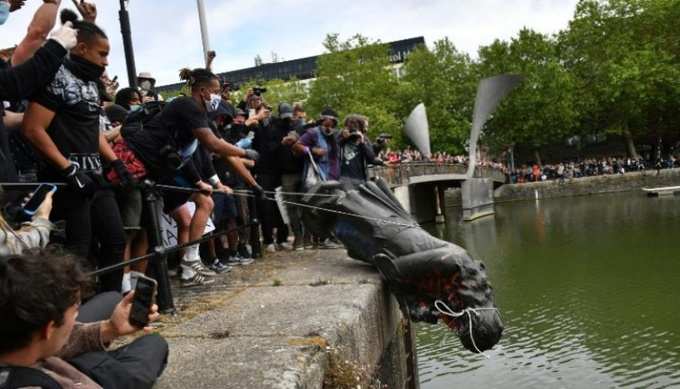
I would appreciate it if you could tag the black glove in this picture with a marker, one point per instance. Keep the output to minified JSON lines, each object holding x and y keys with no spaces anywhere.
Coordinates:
{"x":126,"y":178}
{"x":79,"y":180}
{"x":252,"y":154}
{"x":258,"y":192}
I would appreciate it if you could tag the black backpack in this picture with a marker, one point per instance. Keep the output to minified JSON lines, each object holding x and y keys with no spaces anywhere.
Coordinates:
{"x":15,"y":377}
{"x":136,"y":120}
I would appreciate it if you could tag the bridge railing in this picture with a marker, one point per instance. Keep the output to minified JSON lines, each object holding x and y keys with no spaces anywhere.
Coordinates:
{"x":399,"y":175}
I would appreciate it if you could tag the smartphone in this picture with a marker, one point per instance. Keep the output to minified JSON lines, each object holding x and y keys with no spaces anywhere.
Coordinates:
{"x":115,"y":79}
{"x":37,"y":198}
{"x":251,"y":113}
{"x":145,"y":291}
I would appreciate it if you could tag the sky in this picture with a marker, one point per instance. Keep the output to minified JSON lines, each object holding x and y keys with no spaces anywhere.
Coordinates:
{"x":166,"y":33}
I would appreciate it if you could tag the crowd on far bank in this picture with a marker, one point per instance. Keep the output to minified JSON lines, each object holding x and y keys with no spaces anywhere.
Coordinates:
{"x":533,"y":172}
{"x":586,"y":168}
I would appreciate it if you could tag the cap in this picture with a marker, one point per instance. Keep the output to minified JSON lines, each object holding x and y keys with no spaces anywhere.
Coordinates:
{"x":285,"y":111}
{"x":146,"y":75}
{"x":329,"y":113}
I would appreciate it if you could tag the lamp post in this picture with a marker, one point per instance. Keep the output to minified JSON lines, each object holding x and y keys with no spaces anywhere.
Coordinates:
{"x":204,"y":30}
{"x":127,"y":43}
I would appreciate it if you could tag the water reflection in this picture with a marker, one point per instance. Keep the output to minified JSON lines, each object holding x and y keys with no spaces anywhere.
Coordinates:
{"x":588,"y":289}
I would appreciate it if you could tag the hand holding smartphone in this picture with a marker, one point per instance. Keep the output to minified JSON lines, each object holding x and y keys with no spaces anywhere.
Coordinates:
{"x":37,"y":197}
{"x":145,"y":290}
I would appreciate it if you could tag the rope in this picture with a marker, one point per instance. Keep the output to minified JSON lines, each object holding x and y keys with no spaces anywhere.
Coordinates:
{"x":375,"y":219}
{"x":446,"y":310}
{"x":159,"y":250}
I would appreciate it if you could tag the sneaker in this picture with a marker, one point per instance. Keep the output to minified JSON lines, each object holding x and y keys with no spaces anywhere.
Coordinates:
{"x":328,"y":244}
{"x":238,"y":260}
{"x":286,"y":246}
{"x":199,"y":267}
{"x":297,"y":244}
{"x":270,"y":248}
{"x":197,"y":280}
{"x":243,"y":251}
{"x":218,"y":267}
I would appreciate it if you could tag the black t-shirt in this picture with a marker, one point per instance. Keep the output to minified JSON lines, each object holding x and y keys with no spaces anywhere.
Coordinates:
{"x":352,"y":161}
{"x":75,"y":127}
{"x":172,"y":127}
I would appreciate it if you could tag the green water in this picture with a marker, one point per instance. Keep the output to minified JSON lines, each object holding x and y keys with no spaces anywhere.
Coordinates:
{"x":589,"y":289}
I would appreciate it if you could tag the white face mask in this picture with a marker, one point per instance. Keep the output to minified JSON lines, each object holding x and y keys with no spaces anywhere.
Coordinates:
{"x":213,"y":103}
{"x":145,"y":85}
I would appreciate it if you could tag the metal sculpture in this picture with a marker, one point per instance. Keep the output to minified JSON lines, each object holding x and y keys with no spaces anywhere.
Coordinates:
{"x":431,"y":278}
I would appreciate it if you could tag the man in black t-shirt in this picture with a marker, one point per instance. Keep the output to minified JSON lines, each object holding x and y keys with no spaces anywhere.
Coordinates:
{"x":62,"y":123}
{"x":356,"y":152}
{"x":166,"y":145}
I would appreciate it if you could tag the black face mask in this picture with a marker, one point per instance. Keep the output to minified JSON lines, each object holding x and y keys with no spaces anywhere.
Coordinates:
{"x":84,"y":69}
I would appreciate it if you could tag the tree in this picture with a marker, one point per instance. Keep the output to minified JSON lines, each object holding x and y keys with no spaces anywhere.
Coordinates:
{"x":278,"y":91}
{"x":445,"y":81}
{"x":542,"y":110}
{"x":624,"y":57}
{"x":354,"y":76}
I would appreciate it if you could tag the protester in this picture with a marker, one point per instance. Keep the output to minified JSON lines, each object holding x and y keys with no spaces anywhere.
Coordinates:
{"x":292,"y":167}
{"x":319,"y":148}
{"x":147,"y":87}
{"x":24,"y":80}
{"x":356,"y":151}
{"x":267,"y":141}
{"x":42,"y":345}
{"x":166,"y":144}
{"x":63,"y":124}
{"x":129,"y":98}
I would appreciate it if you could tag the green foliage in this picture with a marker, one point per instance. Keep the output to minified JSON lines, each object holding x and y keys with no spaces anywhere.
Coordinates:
{"x":542,"y":110}
{"x":615,"y":68}
{"x":624,"y":56}
{"x":278,"y":91}
{"x":354,"y":76}
{"x":445,"y":80}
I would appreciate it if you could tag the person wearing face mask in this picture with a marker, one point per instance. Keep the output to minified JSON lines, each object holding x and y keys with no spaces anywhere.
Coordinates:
{"x":147,"y":86}
{"x":62,"y":123}
{"x":129,"y":98}
{"x":322,"y":144}
{"x":24,"y":80}
{"x":166,"y":145}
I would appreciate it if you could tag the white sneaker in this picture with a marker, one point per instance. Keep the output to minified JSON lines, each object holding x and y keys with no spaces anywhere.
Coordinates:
{"x":198,"y":267}
{"x":286,"y":246}
{"x":197,"y":280}
{"x":271,"y":248}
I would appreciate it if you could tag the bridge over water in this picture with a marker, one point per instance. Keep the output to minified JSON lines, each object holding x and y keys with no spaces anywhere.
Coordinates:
{"x":420,"y":187}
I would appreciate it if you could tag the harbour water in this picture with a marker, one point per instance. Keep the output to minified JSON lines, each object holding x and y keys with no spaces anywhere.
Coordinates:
{"x":589,"y":290}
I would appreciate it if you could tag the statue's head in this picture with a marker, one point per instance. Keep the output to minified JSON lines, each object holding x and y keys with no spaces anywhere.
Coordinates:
{"x":451,"y":276}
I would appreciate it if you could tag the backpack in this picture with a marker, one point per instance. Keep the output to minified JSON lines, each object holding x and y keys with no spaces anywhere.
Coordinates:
{"x":137,"y":119}
{"x":16,"y":377}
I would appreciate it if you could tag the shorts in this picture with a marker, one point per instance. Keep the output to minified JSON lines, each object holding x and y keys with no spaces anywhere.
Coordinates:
{"x":175,"y":199}
{"x":225,"y":208}
{"x":131,"y":208}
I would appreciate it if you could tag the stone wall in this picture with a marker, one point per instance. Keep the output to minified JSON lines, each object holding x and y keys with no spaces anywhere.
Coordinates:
{"x":588,"y":185}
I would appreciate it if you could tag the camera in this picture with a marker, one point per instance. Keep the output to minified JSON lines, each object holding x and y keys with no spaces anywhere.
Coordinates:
{"x":258,"y":90}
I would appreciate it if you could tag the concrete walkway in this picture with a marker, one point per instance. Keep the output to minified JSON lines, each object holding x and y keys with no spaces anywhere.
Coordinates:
{"x":290,"y":320}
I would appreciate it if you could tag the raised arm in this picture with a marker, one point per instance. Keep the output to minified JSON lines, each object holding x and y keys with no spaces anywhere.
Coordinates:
{"x":24,"y":80}
{"x":41,"y":25}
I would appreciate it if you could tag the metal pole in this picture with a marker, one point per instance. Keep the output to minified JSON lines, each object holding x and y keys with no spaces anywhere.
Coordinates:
{"x":165,"y":301}
{"x":127,"y":44}
{"x":204,"y":30}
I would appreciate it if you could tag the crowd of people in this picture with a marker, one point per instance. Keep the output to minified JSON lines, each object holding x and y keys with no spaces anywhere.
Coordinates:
{"x":588,"y":167}
{"x":66,"y":122}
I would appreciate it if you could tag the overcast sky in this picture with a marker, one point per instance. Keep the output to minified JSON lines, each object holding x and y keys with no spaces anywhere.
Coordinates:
{"x":166,"y":33}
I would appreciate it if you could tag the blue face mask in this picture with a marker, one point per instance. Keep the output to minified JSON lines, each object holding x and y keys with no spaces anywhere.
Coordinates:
{"x":135,"y":107}
{"x":4,"y":12}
